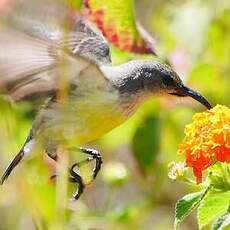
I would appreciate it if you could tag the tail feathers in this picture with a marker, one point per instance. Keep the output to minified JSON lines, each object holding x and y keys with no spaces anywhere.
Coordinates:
{"x":12,"y":165}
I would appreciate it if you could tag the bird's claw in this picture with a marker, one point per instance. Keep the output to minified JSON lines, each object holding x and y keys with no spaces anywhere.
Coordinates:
{"x":76,"y":177}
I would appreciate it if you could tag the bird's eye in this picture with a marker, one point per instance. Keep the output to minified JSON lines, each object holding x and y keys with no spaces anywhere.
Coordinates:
{"x":168,"y":80}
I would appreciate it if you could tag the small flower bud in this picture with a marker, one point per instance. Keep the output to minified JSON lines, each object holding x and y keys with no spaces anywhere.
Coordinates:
{"x":178,"y":170}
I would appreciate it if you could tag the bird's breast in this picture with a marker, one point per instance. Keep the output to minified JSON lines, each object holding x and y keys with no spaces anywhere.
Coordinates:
{"x":84,"y":118}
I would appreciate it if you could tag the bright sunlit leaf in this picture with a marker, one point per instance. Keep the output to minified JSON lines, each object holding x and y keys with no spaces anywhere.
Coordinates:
{"x":212,"y":207}
{"x":117,"y":22}
{"x":187,"y":204}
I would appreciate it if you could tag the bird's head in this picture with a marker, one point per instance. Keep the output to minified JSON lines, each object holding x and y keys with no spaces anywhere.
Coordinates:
{"x":157,"y":78}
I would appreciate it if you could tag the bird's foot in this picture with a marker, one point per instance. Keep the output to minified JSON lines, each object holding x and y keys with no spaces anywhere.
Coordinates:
{"x":95,"y":155}
{"x":76,"y":177}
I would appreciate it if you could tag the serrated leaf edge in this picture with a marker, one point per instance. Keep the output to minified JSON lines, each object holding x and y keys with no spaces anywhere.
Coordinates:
{"x":177,"y":223}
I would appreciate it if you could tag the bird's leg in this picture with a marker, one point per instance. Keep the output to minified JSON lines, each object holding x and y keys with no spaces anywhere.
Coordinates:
{"x":76,"y":177}
{"x":96,"y":155}
{"x":52,"y":156}
{"x":55,"y":158}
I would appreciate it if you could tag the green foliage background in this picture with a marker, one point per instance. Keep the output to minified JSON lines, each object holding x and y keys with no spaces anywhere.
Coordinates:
{"x":194,"y":35}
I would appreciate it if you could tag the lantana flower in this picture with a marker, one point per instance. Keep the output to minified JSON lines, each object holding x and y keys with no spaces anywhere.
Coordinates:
{"x":207,"y":140}
{"x":177,"y":170}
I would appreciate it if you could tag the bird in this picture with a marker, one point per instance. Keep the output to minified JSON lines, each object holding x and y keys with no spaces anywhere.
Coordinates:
{"x":66,"y":65}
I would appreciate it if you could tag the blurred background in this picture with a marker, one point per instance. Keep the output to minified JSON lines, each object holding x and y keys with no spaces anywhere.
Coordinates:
{"x":132,"y":191}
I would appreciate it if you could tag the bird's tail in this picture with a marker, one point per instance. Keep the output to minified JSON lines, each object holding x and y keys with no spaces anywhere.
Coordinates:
{"x":25,"y":150}
{"x":12,"y":165}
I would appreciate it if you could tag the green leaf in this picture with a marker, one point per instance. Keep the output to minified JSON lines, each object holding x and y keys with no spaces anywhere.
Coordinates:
{"x":145,"y":143}
{"x":117,"y":23}
{"x":219,"y":176}
{"x":187,"y":204}
{"x":212,"y":207}
{"x":222,"y":222}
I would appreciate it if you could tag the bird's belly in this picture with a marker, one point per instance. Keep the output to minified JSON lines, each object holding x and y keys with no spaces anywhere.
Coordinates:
{"x":81,"y":124}
{"x":96,"y":126}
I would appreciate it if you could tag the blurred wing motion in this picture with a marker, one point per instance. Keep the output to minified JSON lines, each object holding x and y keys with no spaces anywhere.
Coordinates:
{"x":84,"y":41}
{"x":38,"y":49}
{"x":43,"y":20}
{"x":27,"y":65}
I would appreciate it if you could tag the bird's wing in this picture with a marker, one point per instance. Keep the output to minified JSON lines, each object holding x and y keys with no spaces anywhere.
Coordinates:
{"x":31,"y":68}
{"x":35,"y":44}
{"x":44,"y":21}
{"x":23,"y":59}
{"x":84,"y":41}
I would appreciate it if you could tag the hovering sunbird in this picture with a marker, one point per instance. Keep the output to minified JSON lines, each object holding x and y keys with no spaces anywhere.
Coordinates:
{"x":54,"y":57}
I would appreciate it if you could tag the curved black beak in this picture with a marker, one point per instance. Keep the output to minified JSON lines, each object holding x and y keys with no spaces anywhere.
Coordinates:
{"x":186,"y":91}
